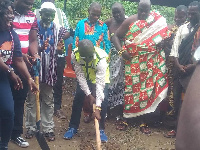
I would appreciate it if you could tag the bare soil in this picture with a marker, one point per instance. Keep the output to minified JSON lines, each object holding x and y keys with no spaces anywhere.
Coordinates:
{"x":131,"y":139}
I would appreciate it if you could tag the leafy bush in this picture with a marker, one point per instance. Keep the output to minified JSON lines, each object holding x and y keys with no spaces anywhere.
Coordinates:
{"x":78,"y":9}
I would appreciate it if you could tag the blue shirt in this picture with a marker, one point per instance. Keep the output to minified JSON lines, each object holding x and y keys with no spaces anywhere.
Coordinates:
{"x":97,"y":33}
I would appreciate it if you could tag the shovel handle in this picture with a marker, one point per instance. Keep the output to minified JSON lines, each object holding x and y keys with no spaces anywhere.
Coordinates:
{"x":96,"y":122}
{"x":37,"y":100}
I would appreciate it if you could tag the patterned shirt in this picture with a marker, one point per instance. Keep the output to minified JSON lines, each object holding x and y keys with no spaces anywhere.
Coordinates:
{"x":22,"y":24}
{"x":48,"y":57}
{"x":97,"y":33}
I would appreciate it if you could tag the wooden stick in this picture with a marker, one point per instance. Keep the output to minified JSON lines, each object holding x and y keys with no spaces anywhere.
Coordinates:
{"x":96,"y":122}
{"x":37,"y":100}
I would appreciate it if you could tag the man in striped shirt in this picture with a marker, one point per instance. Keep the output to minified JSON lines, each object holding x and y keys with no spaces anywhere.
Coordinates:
{"x":25,"y":25}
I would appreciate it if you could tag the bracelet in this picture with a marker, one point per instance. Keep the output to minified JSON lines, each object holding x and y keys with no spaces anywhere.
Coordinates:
{"x":120,"y":52}
{"x":10,"y":69}
{"x":98,"y":108}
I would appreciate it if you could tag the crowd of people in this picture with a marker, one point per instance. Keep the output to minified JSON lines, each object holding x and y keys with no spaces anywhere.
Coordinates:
{"x":134,"y":64}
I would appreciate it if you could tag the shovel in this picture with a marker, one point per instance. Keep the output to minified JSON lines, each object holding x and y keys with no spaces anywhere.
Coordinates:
{"x":39,"y":136}
{"x":96,"y":122}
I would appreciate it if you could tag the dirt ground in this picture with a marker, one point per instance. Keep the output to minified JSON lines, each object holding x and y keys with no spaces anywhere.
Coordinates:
{"x":131,"y":139}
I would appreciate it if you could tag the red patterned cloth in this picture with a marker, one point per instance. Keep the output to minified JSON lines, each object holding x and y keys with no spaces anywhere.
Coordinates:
{"x":146,"y":74}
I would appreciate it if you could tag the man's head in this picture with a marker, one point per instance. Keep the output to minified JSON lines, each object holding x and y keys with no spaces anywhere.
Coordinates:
{"x":118,"y":12}
{"x":47,"y":13}
{"x":86,"y":50}
{"x":6,"y":14}
{"x":22,"y":6}
{"x":94,"y":12}
{"x":194,"y":12}
{"x":144,"y":8}
{"x":180,"y":15}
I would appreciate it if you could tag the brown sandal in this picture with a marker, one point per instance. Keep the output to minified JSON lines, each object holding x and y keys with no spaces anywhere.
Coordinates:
{"x":50,"y":136}
{"x":29,"y":134}
{"x":122,"y":125}
{"x":170,"y":134}
{"x":145,"y":129}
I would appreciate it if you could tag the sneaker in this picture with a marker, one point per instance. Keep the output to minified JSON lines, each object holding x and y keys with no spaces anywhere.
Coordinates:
{"x":103,"y":136}
{"x":21,"y":142}
{"x":70,"y":133}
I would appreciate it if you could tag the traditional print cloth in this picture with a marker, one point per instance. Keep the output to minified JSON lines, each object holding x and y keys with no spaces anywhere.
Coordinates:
{"x":116,"y":86}
{"x":146,"y":74}
{"x":22,"y":24}
{"x":97,"y":33}
{"x":48,"y":57}
{"x":171,"y":76}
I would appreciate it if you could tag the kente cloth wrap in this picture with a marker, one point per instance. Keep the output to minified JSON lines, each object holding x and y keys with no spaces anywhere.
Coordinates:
{"x":146,"y":82}
{"x":116,"y":86}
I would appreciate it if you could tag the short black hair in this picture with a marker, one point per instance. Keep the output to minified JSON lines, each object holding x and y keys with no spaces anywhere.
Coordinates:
{"x":117,"y":4}
{"x":181,"y":8}
{"x":85,"y":44}
{"x":4,"y":4}
{"x":195,"y":3}
{"x":94,"y":5}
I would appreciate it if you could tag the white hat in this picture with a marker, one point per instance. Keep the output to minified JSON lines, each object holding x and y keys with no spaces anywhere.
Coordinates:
{"x":48,"y":5}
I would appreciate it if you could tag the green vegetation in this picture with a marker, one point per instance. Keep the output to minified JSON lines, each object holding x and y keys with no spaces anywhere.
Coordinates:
{"x":78,"y":9}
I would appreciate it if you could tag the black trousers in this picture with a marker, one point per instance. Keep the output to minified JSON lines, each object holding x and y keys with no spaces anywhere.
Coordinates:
{"x":58,"y":86}
{"x":78,"y":105}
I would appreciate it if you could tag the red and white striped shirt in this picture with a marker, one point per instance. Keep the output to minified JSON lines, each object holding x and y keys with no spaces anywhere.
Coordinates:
{"x":22,"y":25}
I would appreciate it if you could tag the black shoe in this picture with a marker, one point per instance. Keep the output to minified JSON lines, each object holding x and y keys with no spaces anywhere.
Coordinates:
{"x":50,"y":136}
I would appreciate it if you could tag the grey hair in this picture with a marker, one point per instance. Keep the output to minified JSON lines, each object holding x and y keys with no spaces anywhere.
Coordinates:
{"x":148,"y":2}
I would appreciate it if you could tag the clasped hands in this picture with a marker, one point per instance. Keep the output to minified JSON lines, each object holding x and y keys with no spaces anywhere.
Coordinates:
{"x":92,"y":101}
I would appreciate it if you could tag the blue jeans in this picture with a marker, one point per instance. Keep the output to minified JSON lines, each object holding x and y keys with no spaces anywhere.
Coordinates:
{"x":19,"y":97}
{"x":6,"y":110}
{"x":78,"y":105}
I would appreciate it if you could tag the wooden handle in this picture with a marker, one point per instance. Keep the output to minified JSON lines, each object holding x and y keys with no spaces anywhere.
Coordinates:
{"x":96,"y":122}
{"x":37,"y":100}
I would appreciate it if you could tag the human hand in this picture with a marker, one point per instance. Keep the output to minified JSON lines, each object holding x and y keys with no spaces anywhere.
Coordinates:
{"x":46,"y":44}
{"x":189,"y":67}
{"x":60,"y":45}
{"x":126,"y":55}
{"x":91,"y":99}
{"x":35,"y":57}
{"x":32,"y":86}
{"x":181,"y":68}
{"x":97,"y":114}
{"x":17,"y":81}
{"x":26,"y":58}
